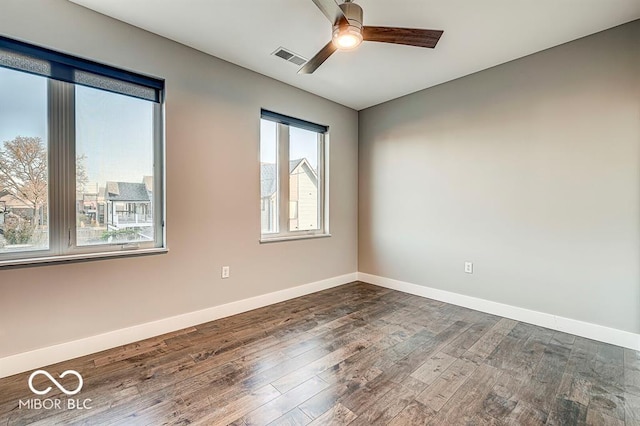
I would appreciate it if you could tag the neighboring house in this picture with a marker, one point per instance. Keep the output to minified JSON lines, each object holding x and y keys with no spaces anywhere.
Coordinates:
{"x":148,"y":183}
{"x":303,"y":196}
{"x":268,"y":201}
{"x":92,"y":204}
{"x":128,"y":205}
{"x":12,"y":204}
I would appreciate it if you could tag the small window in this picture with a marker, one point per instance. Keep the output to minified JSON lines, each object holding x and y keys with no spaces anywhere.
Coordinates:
{"x":81,"y":157}
{"x":292,"y":178}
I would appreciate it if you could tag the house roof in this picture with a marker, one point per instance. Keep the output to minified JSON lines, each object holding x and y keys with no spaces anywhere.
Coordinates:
{"x":11,"y":201}
{"x":127,"y":191}
{"x":295,"y":163}
{"x":268,"y":176}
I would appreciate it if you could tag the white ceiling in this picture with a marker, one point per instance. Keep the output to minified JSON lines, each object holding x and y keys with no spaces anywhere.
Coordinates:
{"x":477,"y":35}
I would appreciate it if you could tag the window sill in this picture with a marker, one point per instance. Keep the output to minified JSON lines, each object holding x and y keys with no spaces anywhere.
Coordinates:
{"x":80,"y":257}
{"x":266,"y":240}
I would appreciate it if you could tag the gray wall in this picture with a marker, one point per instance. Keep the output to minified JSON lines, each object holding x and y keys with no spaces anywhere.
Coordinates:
{"x":213,"y":218}
{"x":530,"y":169}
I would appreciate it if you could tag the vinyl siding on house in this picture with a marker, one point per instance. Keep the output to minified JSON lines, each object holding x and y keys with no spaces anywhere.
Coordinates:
{"x":307,"y":197}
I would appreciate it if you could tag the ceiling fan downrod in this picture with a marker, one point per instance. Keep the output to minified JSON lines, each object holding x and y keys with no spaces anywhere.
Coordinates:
{"x":347,"y":33}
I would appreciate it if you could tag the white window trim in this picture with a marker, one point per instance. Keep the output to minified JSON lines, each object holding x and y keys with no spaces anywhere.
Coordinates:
{"x":282,"y":185}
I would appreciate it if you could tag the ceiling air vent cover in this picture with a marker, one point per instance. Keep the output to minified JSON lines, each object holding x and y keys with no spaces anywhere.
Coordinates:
{"x":289,"y":56}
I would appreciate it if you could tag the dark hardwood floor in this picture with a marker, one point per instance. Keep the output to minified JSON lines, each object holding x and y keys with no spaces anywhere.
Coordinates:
{"x":357,"y":354}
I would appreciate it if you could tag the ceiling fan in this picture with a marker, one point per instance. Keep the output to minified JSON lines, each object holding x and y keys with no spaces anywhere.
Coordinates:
{"x":348,"y":33}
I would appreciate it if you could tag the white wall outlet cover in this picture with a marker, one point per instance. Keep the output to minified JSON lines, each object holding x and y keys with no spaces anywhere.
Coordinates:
{"x":468,"y":267}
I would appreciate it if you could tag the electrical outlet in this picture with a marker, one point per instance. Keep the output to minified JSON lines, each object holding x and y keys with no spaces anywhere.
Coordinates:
{"x":225,"y":272}
{"x":468,"y":267}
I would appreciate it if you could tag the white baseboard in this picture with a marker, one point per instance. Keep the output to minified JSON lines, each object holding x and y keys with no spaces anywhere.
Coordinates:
{"x":554,"y":322}
{"x":26,"y":361}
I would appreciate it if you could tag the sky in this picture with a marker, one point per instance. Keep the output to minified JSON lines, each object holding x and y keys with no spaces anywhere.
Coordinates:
{"x":114,"y":132}
{"x":302,"y":144}
{"x":23,"y":105}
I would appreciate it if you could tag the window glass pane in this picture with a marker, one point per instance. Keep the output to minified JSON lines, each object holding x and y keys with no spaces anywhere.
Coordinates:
{"x":303,"y":179}
{"x":268,"y":177}
{"x":114,"y":168}
{"x":24,"y":170}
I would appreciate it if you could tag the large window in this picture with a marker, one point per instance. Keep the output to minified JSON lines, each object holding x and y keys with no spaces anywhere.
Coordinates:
{"x":292,"y":178}
{"x":81,"y":158}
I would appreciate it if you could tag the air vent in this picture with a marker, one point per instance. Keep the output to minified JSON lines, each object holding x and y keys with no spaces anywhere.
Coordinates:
{"x":289,"y":56}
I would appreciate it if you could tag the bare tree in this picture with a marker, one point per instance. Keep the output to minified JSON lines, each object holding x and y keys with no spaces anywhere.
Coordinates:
{"x":23,"y":172}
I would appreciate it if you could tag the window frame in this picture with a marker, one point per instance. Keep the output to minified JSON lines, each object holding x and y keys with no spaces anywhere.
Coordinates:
{"x":283,"y":202}
{"x":61,"y":148}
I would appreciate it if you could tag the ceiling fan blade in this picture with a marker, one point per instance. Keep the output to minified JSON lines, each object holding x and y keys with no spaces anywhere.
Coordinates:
{"x":331,"y":10}
{"x":408,"y":36}
{"x":313,"y":63}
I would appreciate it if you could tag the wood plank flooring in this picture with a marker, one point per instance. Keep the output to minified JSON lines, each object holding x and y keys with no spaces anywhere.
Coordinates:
{"x":357,"y":354}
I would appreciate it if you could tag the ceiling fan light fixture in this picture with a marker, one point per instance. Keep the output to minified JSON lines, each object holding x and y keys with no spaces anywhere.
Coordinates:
{"x":347,"y":37}
{"x":349,"y":32}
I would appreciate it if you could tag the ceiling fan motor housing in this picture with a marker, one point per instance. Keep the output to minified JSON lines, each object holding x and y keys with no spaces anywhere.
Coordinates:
{"x":353,"y":12}
{"x":353,"y":26}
